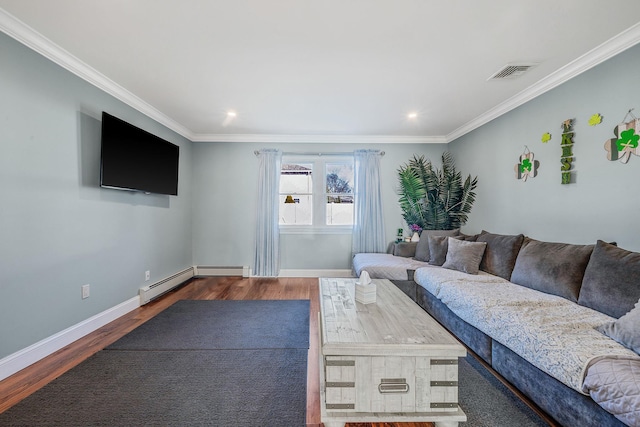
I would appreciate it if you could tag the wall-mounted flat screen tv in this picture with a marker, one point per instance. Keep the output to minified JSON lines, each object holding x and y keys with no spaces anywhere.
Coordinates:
{"x":134,"y":159}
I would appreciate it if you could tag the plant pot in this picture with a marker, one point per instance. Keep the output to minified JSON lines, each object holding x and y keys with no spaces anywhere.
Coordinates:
{"x":415,"y":237}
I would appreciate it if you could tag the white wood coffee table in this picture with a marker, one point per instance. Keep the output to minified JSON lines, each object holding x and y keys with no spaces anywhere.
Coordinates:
{"x":388,"y":361}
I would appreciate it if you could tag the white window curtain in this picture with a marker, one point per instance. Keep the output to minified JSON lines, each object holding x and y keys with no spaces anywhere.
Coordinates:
{"x":368,"y":227}
{"x":267,"y":252}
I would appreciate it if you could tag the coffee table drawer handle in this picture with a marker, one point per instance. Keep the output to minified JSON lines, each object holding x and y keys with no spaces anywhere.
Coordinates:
{"x":393,"y":385}
{"x":444,"y":361}
{"x":444,"y":383}
{"x":340,"y":363}
{"x":443,"y":405}
{"x":340,"y":384}
{"x":341,"y":406}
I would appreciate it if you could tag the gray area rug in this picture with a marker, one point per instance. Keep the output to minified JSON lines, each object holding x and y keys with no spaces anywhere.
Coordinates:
{"x":489,"y":403}
{"x":221,"y":363}
{"x":173,"y":388}
{"x":179,"y":384}
{"x":223,"y":324}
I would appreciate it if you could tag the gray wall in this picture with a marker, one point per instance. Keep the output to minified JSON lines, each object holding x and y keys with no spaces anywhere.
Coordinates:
{"x":224,"y":212}
{"x":603,"y":203}
{"x":58,"y":229}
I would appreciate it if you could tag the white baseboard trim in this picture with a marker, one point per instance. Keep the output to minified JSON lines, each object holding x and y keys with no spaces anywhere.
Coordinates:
{"x":21,"y":359}
{"x":206,"y":271}
{"x":315,"y":273}
{"x":27,"y":356}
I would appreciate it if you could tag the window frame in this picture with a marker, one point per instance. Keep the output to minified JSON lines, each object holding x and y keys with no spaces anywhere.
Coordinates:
{"x":318,"y":195}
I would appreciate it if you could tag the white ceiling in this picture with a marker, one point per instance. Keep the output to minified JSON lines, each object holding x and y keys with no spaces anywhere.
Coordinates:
{"x":324,"y":70}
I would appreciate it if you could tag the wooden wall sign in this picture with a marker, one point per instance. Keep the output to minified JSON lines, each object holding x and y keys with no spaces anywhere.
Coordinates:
{"x":566,"y":160}
{"x":527,"y":166}
{"x":627,"y":140}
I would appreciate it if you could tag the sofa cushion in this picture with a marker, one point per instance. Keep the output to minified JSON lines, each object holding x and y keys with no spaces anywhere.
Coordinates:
{"x":554,"y":334}
{"x":464,"y":256}
{"x":500,"y":255}
{"x":438,"y":246}
{"x":612,"y":280}
{"x":554,"y":268}
{"x":386,"y":266}
{"x":468,"y":237}
{"x":422,"y":250}
{"x":625,"y":330}
{"x":405,"y":249}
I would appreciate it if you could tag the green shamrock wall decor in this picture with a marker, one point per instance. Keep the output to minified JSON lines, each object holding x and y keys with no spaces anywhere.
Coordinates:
{"x":595,"y":120}
{"x":627,"y":140}
{"x":527,"y":166}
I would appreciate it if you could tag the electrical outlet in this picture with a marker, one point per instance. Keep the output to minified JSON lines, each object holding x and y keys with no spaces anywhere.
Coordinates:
{"x":85,"y":291}
{"x":147,"y":275}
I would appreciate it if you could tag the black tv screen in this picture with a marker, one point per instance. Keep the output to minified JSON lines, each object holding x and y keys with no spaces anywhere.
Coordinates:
{"x":134,"y":159}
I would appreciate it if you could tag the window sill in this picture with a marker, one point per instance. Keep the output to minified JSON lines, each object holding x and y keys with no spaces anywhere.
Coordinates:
{"x":308,"y":229}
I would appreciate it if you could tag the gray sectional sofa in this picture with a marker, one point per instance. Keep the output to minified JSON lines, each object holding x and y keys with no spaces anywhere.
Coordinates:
{"x":556,"y":320}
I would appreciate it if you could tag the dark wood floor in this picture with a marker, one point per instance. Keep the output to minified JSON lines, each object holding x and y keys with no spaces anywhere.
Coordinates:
{"x":27,"y":381}
{"x":30,"y":379}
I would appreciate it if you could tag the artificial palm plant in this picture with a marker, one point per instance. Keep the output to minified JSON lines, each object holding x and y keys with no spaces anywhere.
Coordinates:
{"x":435,"y":199}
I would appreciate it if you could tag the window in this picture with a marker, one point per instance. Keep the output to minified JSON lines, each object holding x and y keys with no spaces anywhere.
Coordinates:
{"x":296,"y":194}
{"x":339,"y":193}
{"x":316,"y":194}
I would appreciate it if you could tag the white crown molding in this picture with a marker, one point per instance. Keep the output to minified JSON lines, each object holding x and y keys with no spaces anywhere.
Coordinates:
{"x":617,"y":44}
{"x":21,"y":32}
{"x":320,"y":139}
{"x":34,"y":40}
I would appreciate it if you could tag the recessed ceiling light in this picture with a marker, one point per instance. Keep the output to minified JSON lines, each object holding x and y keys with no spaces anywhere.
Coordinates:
{"x":412,"y":115}
{"x":231,"y":115}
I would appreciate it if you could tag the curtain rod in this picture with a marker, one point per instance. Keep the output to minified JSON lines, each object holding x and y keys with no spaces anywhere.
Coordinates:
{"x":293,"y":153}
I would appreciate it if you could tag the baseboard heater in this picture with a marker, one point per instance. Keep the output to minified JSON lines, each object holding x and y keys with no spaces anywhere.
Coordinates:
{"x":149,"y":292}
{"x":203,"y":271}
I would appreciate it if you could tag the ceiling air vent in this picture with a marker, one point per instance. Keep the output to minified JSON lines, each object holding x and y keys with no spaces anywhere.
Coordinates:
{"x":511,"y":71}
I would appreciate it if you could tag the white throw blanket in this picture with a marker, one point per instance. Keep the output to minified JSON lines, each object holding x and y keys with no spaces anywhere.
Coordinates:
{"x":385,"y":266}
{"x":550,"y":332}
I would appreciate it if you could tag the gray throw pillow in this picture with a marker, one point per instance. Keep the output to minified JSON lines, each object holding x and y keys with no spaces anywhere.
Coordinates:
{"x":438,"y":246}
{"x":611,"y":282}
{"x":468,"y":237}
{"x":502,"y":251}
{"x":405,"y":249}
{"x":625,"y":330}
{"x":464,"y":256}
{"x":422,"y":250}
{"x":554,"y":268}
